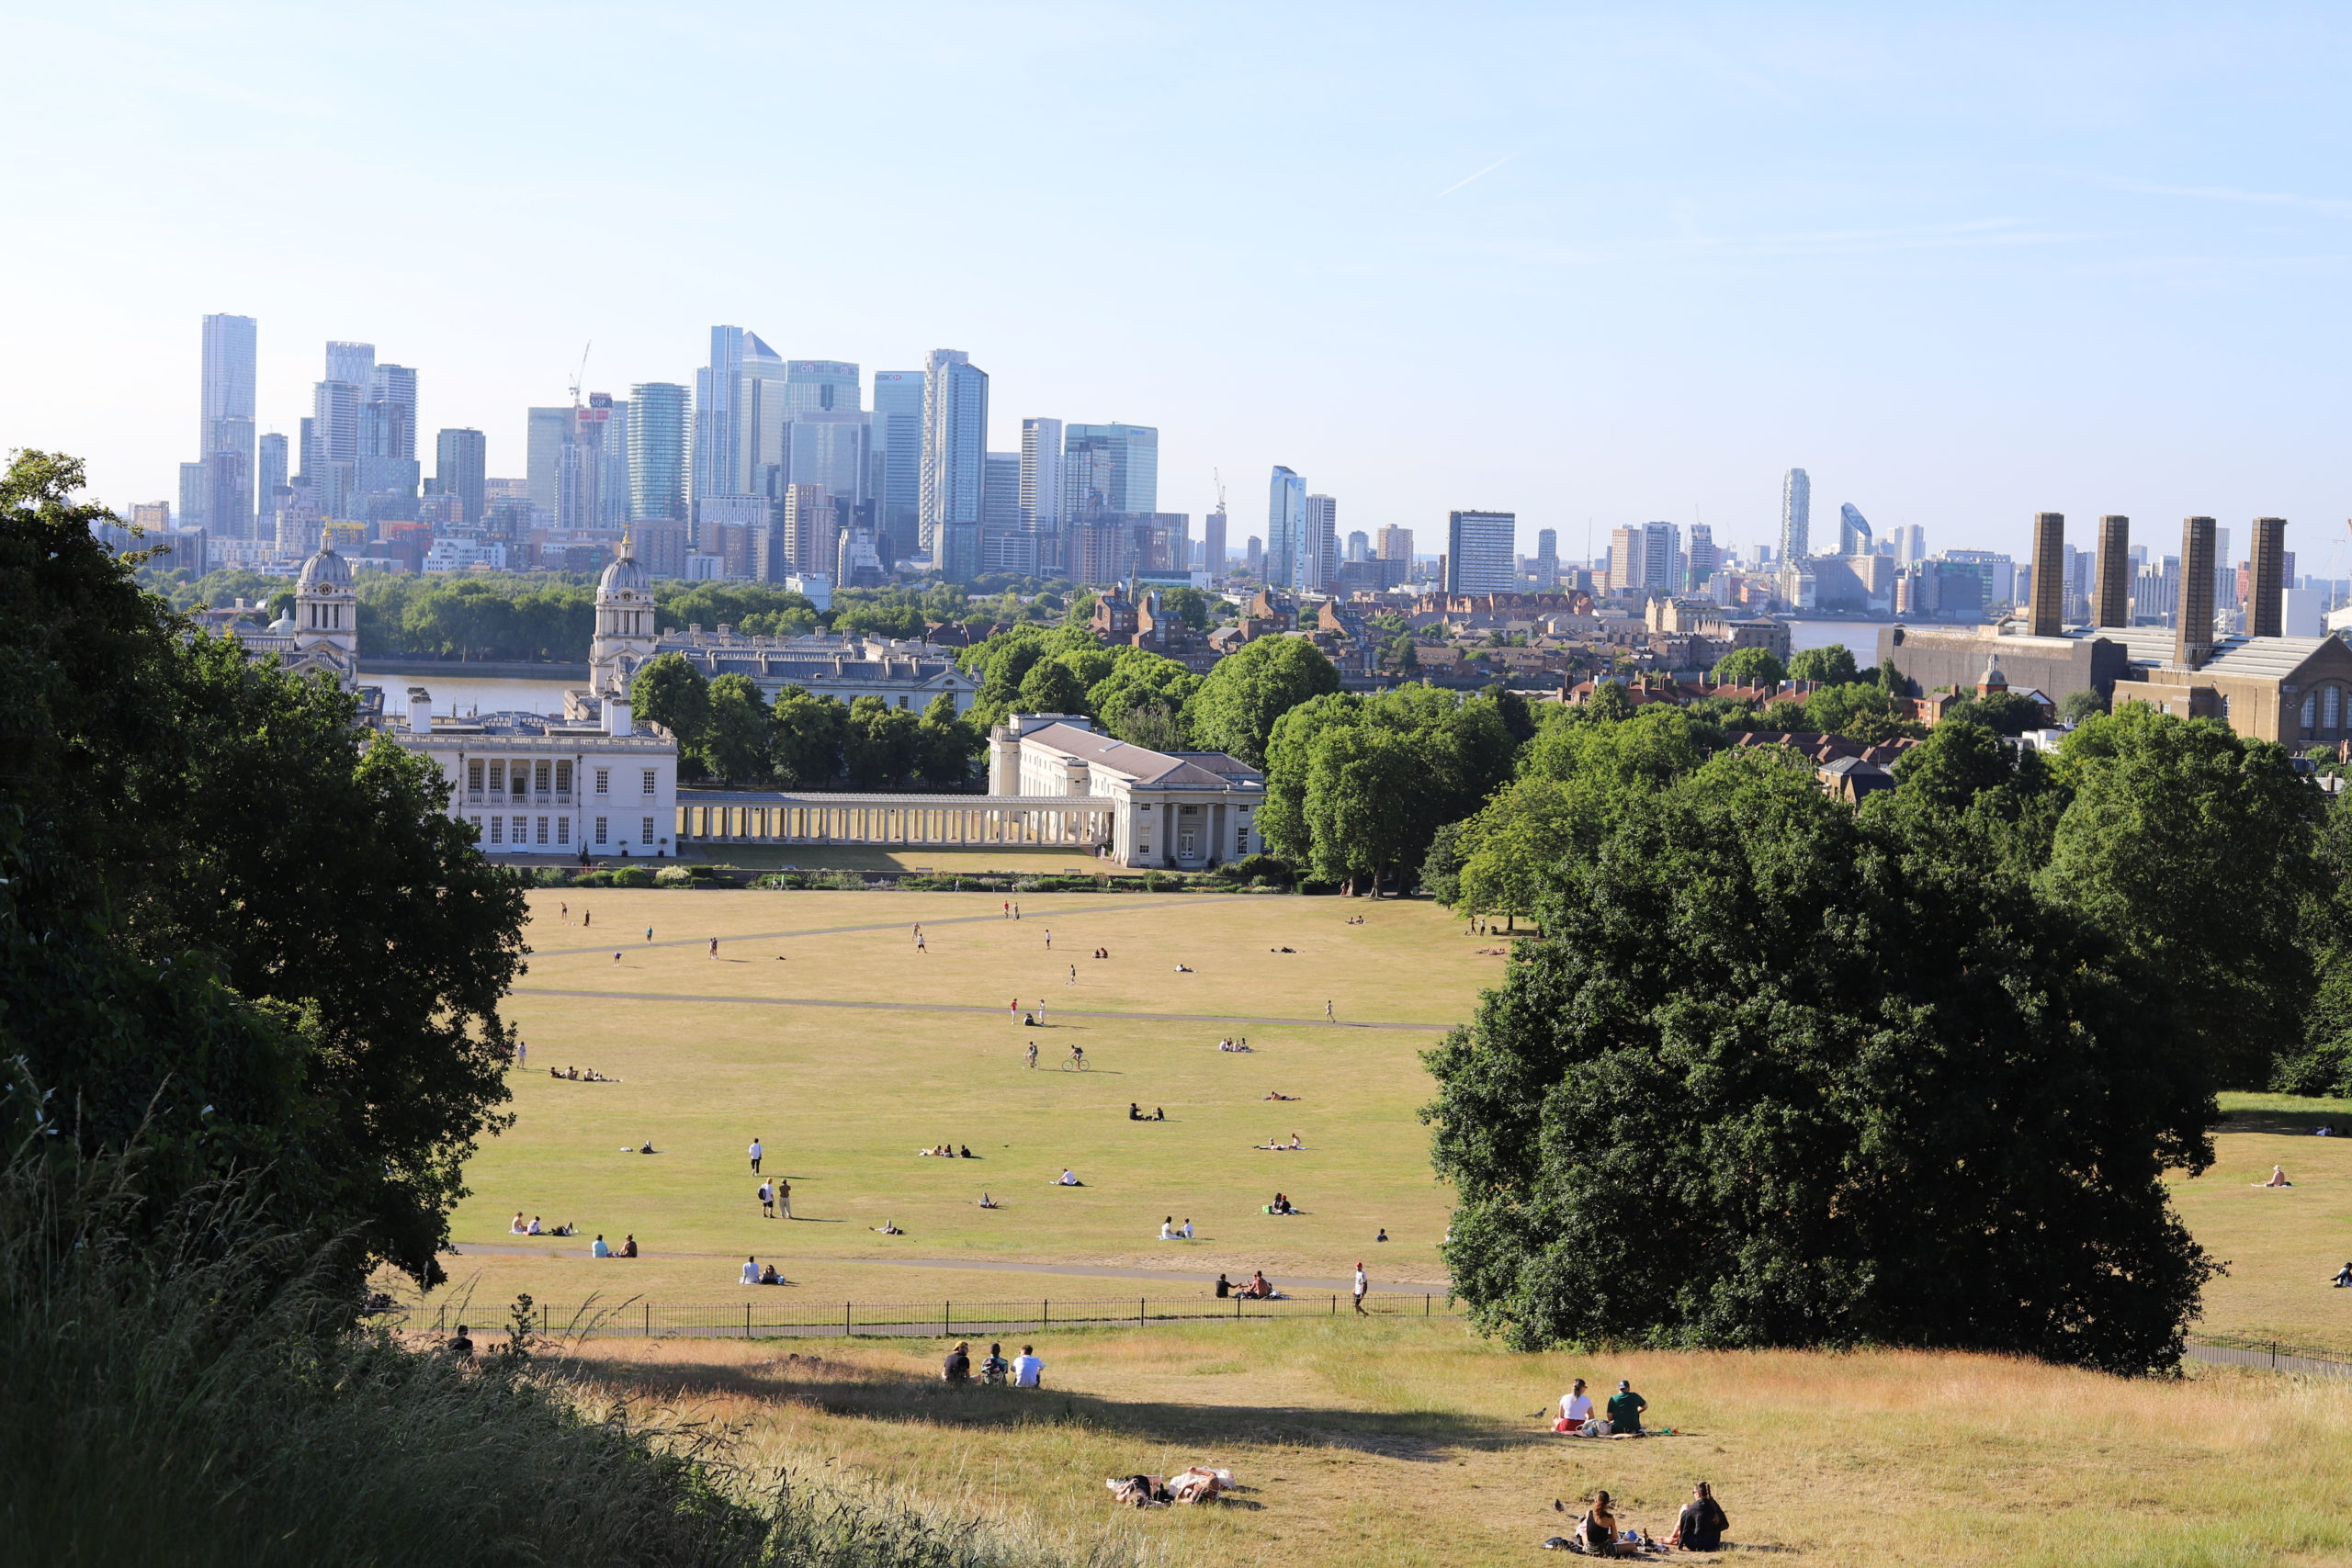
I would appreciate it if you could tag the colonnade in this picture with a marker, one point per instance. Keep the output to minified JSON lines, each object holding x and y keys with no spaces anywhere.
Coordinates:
{"x":940,"y":821}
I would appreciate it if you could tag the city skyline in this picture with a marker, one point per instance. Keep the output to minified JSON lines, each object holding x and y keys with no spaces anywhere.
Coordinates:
{"x":1961,"y":270}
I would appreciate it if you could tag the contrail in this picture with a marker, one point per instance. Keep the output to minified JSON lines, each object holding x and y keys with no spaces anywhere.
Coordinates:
{"x":1480,"y":174}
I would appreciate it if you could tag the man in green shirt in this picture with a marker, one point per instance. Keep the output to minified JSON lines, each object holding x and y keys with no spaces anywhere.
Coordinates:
{"x":1625,"y":1408}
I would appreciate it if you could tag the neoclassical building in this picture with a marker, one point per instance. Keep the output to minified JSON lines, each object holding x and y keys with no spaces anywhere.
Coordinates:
{"x":591,"y":781}
{"x":323,"y":632}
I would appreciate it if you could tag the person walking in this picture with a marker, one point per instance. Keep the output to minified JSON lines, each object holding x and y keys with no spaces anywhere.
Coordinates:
{"x":587,"y":919}
{"x":1073,"y":975}
{"x":521,"y":1052}
{"x":649,"y":933}
{"x":1049,"y":938}
{"x":919,"y":946}
{"x":756,"y":1152}
{"x":1363,"y":1283}
{"x":1032,"y":1055}
{"x":1327,"y":1014}
{"x":784,"y":1195}
{"x":767,"y":1199}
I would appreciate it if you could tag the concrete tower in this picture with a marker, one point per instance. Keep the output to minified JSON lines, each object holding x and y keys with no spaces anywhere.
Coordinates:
{"x":2111,"y":593}
{"x":2193,"y":626}
{"x":2046,"y":616}
{"x":2267,"y":587}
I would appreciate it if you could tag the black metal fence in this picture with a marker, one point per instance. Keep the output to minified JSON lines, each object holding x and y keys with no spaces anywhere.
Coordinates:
{"x":2272,"y":1356}
{"x":765,"y":1311}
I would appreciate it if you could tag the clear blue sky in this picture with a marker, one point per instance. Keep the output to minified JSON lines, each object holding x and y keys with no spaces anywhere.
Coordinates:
{"x":1960,"y":263}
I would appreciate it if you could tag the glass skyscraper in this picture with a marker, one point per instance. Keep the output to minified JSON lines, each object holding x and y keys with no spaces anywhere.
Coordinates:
{"x":1796,"y":517}
{"x":1131,"y":477}
{"x":898,"y":460}
{"x":226,"y":395}
{"x":955,"y":442}
{"x":1286,"y":527}
{"x":1041,"y":475}
{"x":660,"y":440}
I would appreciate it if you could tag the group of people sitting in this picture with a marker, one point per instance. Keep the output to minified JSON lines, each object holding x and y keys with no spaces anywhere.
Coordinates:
{"x":1024,"y":1371}
{"x":1699,"y":1528}
{"x":1134,"y":1114}
{"x":1101,"y":953}
{"x":534,"y":1228}
{"x":1171,"y":1230}
{"x":755,"y":1273}
{"x":1278,"y":1145}
{"x":950,"y":1151}
{"x":1622,"y":1416}
{"x":575,"y":1075}
{"x":1233,"y":1044}
{"x":1354,"y":921}
{"x":627,"y":1249}
{"x":1254,"y":1289}
{"x":1281,"y":1205}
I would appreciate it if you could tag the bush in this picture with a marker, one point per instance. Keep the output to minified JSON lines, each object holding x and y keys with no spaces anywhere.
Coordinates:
{"x":673,"y":876}
{"x":1260,"y":870}
{"x":551,"y":876}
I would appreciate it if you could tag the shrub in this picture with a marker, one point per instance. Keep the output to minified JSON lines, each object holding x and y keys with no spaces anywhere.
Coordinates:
{"x":673,"y":876}
{"x":1260,"y":870}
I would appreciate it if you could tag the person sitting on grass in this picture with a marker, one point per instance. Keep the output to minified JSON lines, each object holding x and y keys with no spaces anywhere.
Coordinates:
{"x":648,"y":1149}
{"x":988,"y":1203}
{"x":629,"y":1245}
{"x":751,"y":1270}
{"x":1625,"y":1409}
{"x":1575,"y":1408}
{"x":518,"y":1227}
{"x":2343,"y":1276}
{"x":2277,"y":1177}
{"x":1185,"y":1230}
{"x":1598,"y":1529}
{"x":1168,"y":1228}
{"x":1158,"y":1115}
{"x":1070,"y":1178}
{"x":956,"y":1370}
{"x":461,"y":1348}
{"x":964,"y":1151}
{"x":534,"y":1229}
{"x":1700,"y":1525}
{"x":597,"y":1247}
{"x":995,"y":1368}
{"x":1135,"y":1111}
{"x":1027,"y":1370}
{"x":768,"y":1276}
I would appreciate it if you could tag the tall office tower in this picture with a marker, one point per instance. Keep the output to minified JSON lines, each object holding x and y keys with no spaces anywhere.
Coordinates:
{"x":1358,"y":549}
{"x":716,"y":433}
{"x":1122,"y":464}
{"x":2193,"y":622}
{"x":354,"y":363}
{"x":547,"y":432}
{"x":270,"y":474}
{"x":1397,"y":543}
{"x":1796,"y":517}
{"x":1000,"y":490}
{"x":1041,"y":475}
{"x":228,"y":492}
{"x":955,"y":447}
{"x":821,"y":386}
{"x":1703,"y":560}
{"x":2269,"y":576}
{"x":831,"y":450}
{"x":395,"y":386}
{"x":461,"y":467}
{"x":897,"y":462}
{"x":660,"y":442}
{"x":1910,"y":544}
{"x":1481,"y":552}
{"x":812,"y":528}
{"x":612,"y":485}
{"x":1213,"y":541}
{"x":387,"y":468}
{"x":226,"y":389}
{"x":151,"y":515}
{"x":2046,"y":612}
{"x":1318,"y":567}
{"x":1253,"y":558}
{"x":332,"y":449}
{"x":1285,"y":528}
{"x":1853,"y":531}
{"x":1547,"y":558}
{"x":762,"y":407}
{"x":579,"y":472}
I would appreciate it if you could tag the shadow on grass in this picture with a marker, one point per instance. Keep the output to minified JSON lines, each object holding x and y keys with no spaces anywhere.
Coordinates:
{"x":2288,"y":1122}
{"x":840,"y":1388}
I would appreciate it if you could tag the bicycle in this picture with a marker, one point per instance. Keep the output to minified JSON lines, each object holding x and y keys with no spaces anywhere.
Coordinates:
{"x":1075,"y":1062}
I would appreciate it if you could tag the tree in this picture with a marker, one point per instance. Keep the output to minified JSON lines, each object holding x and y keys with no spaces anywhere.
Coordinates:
{"x":735,"y":739}
{"x":1236,"y":707}
{"x":2076,"y":706}
{"x":669,"y":691}
{"x":1724,"y":1105}
{"x":1051,"y":686}
{"x":1514,"y":843}
{"x":1364,"y":806}
{"x":2197,"y":853}
{"x":945,"y":744}
{"x":884,"y":742}
{"x":1142,"y":698}
{"x":2004,"y":713}
{"x":1833,"y":665}
{"x":806,"y":735}
{"x":1860,"y":710}
{"x":1188,"y":604}
{"x":1750,"y":667}
{"x":303,"y":977}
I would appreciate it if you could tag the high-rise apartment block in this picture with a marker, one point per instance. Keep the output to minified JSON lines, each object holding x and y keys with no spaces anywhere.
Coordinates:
{"x":661,"y":450}
{"x":1796,"y":517}
{"x":1110,"y":469}
{"x":955,"y":453}
{"x":461,"y":468}
{"x":225,"y":413}
{"x":1212,"y":547}
{"x":898,"y":462}
{"x":546,"y":434}
{"x":1041,"y":475}
{"x":1395,"y":544}
{"x":1285,"y":528}
{"x":1481,"y":552}
{"x":1319,"y":565}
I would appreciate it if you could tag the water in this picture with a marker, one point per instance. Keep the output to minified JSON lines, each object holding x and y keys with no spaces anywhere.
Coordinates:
{"x":1860,"y":638}
{"x":472,"y":694}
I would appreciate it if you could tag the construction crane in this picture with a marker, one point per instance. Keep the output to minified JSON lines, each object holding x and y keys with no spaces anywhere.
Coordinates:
{"x":581,"y":373}
{"x":1218,"y":479}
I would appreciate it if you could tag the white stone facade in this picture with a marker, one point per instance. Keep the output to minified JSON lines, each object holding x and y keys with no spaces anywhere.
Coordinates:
{"x":599,"y":786}
{"x":1175,"y":810}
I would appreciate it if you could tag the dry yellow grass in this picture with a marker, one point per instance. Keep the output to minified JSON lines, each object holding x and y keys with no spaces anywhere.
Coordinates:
{"x":1406,"y":1445}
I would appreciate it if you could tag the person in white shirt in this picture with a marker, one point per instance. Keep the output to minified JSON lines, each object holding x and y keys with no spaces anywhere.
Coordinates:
{"x":756,"y":1152}
{"x":1363,"y":1283}
{"x":1576,"y":1406}
{"x":1027,"y":1369}
{"x":1168,"y":1228}
{"x":751,"y":1270}
{"x":1069,"y":1180}
{"x":1185,"y":1230}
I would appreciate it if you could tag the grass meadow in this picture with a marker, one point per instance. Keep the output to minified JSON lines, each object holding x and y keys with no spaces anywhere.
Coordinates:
{"x":821,"y":1028}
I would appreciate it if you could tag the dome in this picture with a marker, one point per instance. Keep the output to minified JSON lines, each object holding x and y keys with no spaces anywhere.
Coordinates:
{"x":625,"y":575}
{"x":284,"y":625}
{"x":325,"y":570}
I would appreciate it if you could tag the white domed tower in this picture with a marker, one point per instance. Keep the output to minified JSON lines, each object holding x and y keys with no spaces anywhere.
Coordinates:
{"x":326,"y":616}
{"x":625,"y":636}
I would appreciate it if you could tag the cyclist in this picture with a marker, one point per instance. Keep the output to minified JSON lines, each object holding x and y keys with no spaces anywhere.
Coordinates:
{"x":1077,"y":1056}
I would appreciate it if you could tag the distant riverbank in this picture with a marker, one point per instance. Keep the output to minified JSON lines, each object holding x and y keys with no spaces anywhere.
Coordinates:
{"x":462,"y":670}
{"x":462,"y":689}
{"x":1860,"y":638}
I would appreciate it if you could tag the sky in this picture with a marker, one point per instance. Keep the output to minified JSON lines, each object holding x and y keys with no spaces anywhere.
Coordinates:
{"x":1597,"y":265}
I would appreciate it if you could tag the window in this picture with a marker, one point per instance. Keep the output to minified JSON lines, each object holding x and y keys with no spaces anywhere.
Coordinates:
{"x":498,"y":830}
{"x":2330,"y":700}
{"x":646,"y":835}
{"x":1190,"y":810}
{"x":543,"y":830}
{"x":522,"y":829}
{"x":564,"y":777}
{"x":475,"y":823}
{"x":649,"y":780}
{"x":2310,"y":711}
{"x":564,"y":829}
{"x":1241,"y":841}
{"x":902,"y":701}
{"x":473,"y":768}
{"x":498,"y":777}
{"x":602,"y":837}
{"x":539,"y":777}
{"x":604,"y":781}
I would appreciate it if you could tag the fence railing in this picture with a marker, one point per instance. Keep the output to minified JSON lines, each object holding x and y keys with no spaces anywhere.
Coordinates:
{"x":764,"y":1312}
{"x":2310,"y":1360}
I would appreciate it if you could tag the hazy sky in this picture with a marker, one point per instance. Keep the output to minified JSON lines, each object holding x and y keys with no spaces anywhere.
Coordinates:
{"x":1597,"y":263}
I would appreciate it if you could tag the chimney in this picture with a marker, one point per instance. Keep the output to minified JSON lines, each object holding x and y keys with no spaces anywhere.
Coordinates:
{"x":2111,"y":593}
{"x":2046,"y":616}
{"x":2193,"y":623}
{"x":616,"y":719}
{"x":2263,"y":609}
{"x":420,"y":711}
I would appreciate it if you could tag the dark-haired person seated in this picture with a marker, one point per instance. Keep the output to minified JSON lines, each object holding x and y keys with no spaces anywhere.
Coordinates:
{"x":768,"y":1276}
{"x":1700,"y":1525}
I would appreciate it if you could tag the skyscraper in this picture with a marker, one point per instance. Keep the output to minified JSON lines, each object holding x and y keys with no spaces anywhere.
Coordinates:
{"x":1000,"y":490}
{"x":1358,"y":546}
{"x":1547,"y":560}
{"x":1213,"y":528}
{"x":829,"y":449}
{"x":1318,"y":562}
{"x":354,"y":363}
{"x":821,"y":386}
{"x":331,"y":449}
{"x":461,"y":467}
{"x":661,"y":441}
{"x":717,"y":436}
{"x":1041,"y":475}
{"x":1853,"y":531}
{"x":955,"y":446}
{"x":387,"y":467}
{"x":270,"y":474}
{"x":546,"y":435}
{"x":1796,"y":517}
{"x":1129,"y":473}
{"x":612,"y":487}
{"x":1481,"y":552}
{"x":1286,"y":527}
{"x":897,"y":462}
{"x":1397,"y":543}
{"x":227,"y":390}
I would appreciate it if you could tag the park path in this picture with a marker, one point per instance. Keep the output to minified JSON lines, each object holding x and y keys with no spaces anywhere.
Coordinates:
{"x":1079,"y":1270}
{"x":1057,"y":1012}
{"x":628,"y":942}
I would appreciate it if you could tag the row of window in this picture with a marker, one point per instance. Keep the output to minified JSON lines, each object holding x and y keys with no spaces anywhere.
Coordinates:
{"x":537,"y":775}
{"x":526,"y":831}
{"x":2323,"y":709}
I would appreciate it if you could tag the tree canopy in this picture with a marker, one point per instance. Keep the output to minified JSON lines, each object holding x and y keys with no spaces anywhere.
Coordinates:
{"x":1235,"y":708}
{"x":1750,"y":667}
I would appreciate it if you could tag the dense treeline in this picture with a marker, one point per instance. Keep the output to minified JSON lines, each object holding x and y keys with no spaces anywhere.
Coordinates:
{"x":728,"y":733}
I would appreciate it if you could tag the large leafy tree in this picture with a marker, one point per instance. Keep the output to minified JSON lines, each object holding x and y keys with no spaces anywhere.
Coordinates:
{"x":669,"y":691}
{"x":240,"y":907}
{"x":1052,"y":686}
{"x":884,"y":743}
{"x":806,"y":735}
{"x":735,"y":738}
{"x":1237,"y":706}
{"x":944,"y":743}
{"x":1833,"y":665}
{"x":1725,"y":1103}
{"x":1750,"y":667}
